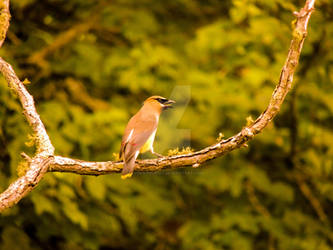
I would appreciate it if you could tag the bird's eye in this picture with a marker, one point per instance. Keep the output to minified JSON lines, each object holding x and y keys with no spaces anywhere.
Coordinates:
{"x":161,"y":100}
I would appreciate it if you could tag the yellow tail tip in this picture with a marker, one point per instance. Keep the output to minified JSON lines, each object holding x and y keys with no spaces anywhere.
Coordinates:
{"x":125,"y":176}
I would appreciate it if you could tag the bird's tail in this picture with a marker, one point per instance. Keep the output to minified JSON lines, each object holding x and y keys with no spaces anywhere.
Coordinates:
{"x":128,"y":167}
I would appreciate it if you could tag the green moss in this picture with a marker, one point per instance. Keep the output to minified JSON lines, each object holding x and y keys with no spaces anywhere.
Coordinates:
{"x":22,"y":168}
{"x":176,"y":151}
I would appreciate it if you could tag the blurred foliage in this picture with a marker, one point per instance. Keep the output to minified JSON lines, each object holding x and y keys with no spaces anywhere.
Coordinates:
{"x":220,"y":60}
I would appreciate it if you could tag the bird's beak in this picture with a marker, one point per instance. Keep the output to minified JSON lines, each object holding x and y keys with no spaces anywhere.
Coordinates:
{"x":168,"y":104}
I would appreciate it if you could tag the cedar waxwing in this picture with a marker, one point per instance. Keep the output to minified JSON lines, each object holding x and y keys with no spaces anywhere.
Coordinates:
{"x":140,"y":132}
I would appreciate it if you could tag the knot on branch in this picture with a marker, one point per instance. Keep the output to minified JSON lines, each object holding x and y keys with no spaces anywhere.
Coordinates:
{"x":38,"y":167}
{"x":247,"y":132}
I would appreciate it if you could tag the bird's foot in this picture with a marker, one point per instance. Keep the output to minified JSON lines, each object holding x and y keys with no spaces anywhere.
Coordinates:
{"x":157,"y":154}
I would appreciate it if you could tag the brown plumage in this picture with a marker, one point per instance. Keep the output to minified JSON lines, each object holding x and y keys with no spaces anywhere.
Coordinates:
{"x":140,"y":132}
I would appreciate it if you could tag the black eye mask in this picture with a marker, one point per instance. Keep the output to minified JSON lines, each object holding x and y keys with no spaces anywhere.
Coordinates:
{"x":161,"y":100}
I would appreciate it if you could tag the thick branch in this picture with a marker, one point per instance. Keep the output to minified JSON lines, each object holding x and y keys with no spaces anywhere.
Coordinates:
{"x":43,"y":143}
{"x":38,"y":165}
{"x":24,"y":185}
{"x":224,"y":146}
{"x":45,"y":161}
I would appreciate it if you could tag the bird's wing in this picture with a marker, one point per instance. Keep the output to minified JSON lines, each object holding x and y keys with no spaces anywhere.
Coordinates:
{"x":136,"y":134}
{"x":127,"y":135}
{"x":132,"y":144}
{"x":135,"y":143}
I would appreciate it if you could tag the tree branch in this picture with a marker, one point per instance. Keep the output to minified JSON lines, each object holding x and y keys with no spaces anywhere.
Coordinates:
{"x":67,"y":36}
{"x":260,"y":209}
{"x":38,"y":165}
{"x":61,"y":40}
{"x":22,"y":186}
{"x":43,"y":143}
{"x":45,"y":160}
{"x":314,"y":201}
{"x":4,"y":20}
{"x":256,"y":204}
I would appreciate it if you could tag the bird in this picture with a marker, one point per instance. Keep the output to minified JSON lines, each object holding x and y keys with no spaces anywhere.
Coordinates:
{"x":140,"y":132}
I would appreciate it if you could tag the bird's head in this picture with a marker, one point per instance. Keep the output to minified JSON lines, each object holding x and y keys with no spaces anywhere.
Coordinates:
{"x":159,"y":103}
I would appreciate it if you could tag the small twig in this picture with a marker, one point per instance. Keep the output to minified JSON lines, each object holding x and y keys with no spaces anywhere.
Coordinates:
{"x":26,"y":157}
{"x":255,"y":201}
{"x":260,"y":209}
{"x":306,"y":191}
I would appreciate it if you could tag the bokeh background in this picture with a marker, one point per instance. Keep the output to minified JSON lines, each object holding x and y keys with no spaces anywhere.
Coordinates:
{"x":92,"y":63}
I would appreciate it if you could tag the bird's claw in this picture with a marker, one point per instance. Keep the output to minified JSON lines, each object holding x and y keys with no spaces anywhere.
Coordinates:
{"x":157,"y":154}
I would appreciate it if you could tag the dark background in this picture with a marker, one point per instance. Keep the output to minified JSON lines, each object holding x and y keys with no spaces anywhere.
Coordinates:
{"x":91,"y":64}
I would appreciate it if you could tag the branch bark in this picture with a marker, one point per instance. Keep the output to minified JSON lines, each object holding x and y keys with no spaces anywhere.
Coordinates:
{"x":45,"y":160}
{"x":43,"y":143}
{"x":4,"y":20}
